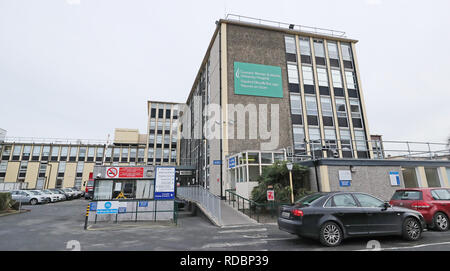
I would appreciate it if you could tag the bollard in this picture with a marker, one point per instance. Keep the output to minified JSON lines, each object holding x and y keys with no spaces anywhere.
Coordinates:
{"x":87,"y":216}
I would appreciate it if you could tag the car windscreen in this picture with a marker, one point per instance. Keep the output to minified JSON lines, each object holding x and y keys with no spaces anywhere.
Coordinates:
{"x":309,"y":199}
{"x":407,"y":195}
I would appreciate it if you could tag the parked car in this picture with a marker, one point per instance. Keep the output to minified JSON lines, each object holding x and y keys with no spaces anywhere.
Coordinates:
{"x":59,"y":196}
{"x":89,"y":192}
{"x":432,"y":203}
{"x":67,"y":196}
{"x":334,"y":216}
{"x":50,"y":197}
{"x":30,"y":197}
{"x":70,"y":192}
{"x":78,"y":192}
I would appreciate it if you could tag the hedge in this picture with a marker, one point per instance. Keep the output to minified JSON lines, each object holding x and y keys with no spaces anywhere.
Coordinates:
{"x":5,"y":200}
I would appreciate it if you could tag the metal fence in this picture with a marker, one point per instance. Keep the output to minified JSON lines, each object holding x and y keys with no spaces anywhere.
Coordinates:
{"x":198,"y":194}
{"x":13,"y":186}
{"x":261,"y":212}
{"x":135,"y":210}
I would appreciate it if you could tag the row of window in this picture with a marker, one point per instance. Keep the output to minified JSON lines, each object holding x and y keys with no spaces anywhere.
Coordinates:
{"x":73,"y":153}
{"x":311,"y":100}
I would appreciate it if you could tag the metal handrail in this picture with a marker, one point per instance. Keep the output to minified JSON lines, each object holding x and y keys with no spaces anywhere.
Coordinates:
{"x":302,"y":28}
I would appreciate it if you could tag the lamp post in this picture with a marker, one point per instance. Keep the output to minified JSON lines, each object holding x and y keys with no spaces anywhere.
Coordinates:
{"x":289,"y":166}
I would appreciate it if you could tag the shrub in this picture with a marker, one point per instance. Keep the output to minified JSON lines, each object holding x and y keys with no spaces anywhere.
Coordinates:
{"x":277,"y":175}
{"x":5,"y":200}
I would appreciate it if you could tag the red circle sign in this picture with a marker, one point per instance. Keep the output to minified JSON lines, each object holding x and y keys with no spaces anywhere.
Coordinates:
{"x":111,"y":172}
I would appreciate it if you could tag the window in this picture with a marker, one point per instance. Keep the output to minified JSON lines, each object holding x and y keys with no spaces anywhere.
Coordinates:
{"x":62,"y":167}
{"x":407,"y":195}
{"x":308,"y":77}
{"x":82,"y":153}
{"x":344,"y":200}
{"x":133,"y":154}
{"x":311,"y":105}
{"x":46,"y":151}
{"x":330,"y":138}
{"x":440,"y":194}
{"x":80,"y":166}
{"x":55,"y":150}
{"x":296,"y":105}
{"x":322,"y":77}
{"x":368,"y":201}
{"x":341,"y":111}
{"x":337,"y":78}
{"x":16,"y":152}
{"x":124,"y":154}
{"x":299,"y":137}
{"x":318,"y":48}
{"x":346,"y":52}
{"x":432,"y":177}
{"x":360,"y":138}
{"x":346,"y":143}
{"x":3,"y":166}
{"x":333,"y":50}
{"x":356,"y":113}
{"x":64,"y":151}
{"x":351,"y":80}
{"x":91,"y":152}
{"x":73,"y":153}
{"x":304,"y":46}
{"x":36,"y":152}
{"x":292,"y":73}
{"x":290,"y":45}
{"x":26,"y":152}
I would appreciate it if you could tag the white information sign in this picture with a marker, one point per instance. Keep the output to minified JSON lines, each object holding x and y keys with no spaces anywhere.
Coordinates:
{"x":165,"y":183}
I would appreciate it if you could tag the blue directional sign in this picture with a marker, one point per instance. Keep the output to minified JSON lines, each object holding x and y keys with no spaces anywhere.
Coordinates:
{"x":217,"y":162}
{"x":232,"y":162}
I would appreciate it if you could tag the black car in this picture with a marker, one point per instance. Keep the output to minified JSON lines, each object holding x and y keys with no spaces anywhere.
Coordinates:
{"x":334,"y":216}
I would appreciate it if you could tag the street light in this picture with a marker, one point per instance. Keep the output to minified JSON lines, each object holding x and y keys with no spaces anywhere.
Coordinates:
{"x":289,"y":166}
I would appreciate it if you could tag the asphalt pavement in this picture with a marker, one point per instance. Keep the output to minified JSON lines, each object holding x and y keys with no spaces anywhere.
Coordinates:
{"x":60,"y":226}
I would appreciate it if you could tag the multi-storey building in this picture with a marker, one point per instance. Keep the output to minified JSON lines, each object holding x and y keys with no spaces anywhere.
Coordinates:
{"x":56,"y":163}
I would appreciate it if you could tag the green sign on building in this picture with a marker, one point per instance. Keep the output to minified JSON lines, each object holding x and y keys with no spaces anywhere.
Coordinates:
{"x":257,"y":80}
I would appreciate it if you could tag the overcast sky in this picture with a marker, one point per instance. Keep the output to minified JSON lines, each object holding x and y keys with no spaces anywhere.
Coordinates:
{"x":80,"y":68}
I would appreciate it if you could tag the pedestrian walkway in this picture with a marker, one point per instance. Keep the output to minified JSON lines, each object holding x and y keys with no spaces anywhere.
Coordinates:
{"x":231,"y":216}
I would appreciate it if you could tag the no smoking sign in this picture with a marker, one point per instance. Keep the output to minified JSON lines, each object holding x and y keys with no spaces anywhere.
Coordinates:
{"x":112,"y":172}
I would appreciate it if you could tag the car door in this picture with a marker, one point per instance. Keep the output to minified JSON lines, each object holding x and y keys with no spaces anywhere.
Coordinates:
{"x":346,"y":210}
{"x":441,"y":199}
{"x":380,"y":220}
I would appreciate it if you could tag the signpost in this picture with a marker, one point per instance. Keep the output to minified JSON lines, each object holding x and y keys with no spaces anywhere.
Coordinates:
{"x":290,"y":166}
{"x":165,"y":183}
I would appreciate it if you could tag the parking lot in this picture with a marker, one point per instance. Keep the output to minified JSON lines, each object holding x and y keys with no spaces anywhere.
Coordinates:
{"x":59,"y":226}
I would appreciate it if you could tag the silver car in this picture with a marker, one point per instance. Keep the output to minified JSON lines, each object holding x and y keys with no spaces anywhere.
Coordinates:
{"x":50,"y":197}
{"x":26,"y":196}
{"x":58,"y":196}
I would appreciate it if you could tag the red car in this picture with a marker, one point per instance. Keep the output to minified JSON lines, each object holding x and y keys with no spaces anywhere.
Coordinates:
{"x":432,"y":203}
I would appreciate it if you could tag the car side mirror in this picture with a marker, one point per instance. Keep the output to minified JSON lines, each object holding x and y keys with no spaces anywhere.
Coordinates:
{"x":386,"y":205}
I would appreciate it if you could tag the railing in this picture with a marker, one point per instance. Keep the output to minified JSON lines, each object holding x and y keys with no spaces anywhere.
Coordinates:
{"x":261,"y":212}
{"x":380,"y":149}
{"x":134,"y":211}
{"x":13,"y":186}
{"x":56,"y":141}
{"x":209,"y":201}
{"x":302,"y":28}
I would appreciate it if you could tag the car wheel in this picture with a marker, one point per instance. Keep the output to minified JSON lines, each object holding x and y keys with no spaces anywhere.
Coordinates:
{"x":411,"y":229}
{"x":33,"y":201}
{"x":330,"y":234}
{"x":440,"y":222}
